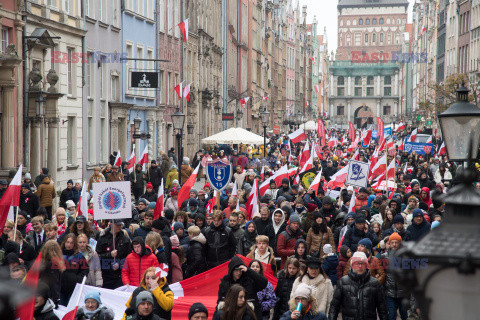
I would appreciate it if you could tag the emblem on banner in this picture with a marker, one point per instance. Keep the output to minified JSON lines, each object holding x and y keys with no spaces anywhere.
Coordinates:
{"x":219,"y":174}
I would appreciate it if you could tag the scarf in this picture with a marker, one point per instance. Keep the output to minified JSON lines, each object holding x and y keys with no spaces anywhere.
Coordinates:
{"x":262,"y":258}
{"x":90,"y":314}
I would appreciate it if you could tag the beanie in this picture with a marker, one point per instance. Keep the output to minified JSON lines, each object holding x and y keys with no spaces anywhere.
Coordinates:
{"x":367,"y":243}
{"x":152,"y":205}
{"x":143,"y":296}
{"x":395,"y":236}
{"x":177,"y":225}
{"x":398,"y":219}
{"x":43,"y":290}
{"x":142,"y":200}
{"x":149,"y":186}
{"x":193,"y":203}
{"x":359,"y":256}
{"x":417,"y":213}
{"x":196,"y":308}
{"x":303,"y":290}
{"x":294,"y":218}
{"x":158,"y":224}
{"x":95,"y":295}
{"x":360,"y":218}
{"x":327,"y":249}
{"x":317,"y":214}
{"x":194,"y":191}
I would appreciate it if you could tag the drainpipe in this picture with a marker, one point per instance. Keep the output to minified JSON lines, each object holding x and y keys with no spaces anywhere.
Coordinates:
{"x":26,"y":139}
{"x":84,"y":100}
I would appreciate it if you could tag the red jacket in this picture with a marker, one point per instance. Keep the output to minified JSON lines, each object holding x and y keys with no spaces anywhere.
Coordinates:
{"x":135,"y":266}
{"x":360,"y":202}
{"x":286,"y":244}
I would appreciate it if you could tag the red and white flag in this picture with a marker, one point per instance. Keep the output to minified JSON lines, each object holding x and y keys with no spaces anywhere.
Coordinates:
{"x":442,"y":149}
{"x":307,"y":166}
{"x":429,"y":140}
{"x":351,"y":207}
{"x":316,"y":182}
{"x":184,"y":29}
{"x":391,"y":170}
{"x":158,"y":211}
{"x":389,"y":144}
{"x":244,"y":101}
{"x":405,"y":169}
{"x":277,"y":177}
{"x":252,"y":202}
{"x":265,"y":98}
{"x":72,"y":313}
{"x":379,"y":167}
{"x":185,"y":189}
{"x":380,"y":130}
{"x":366,"y":137}
{"x":356,"y":155}
{"x":400,"y":127}
{"x":297,"y":136}
{"x":25,"y":311}
{"x":11,"y":197}
{"x":186,"y":91}
{"x":144,"y":158}
{"x":332,"y":142}
{"x":212,"y":201}
{"x":82,"y":209}
{"x":131,"y":160}
{"x":321,"y":131}
{"x":338,"y":179}
{"x":317,"y":88}
{"x":305,"y":154}
{"x":179,"y":90}
{"x":351,"y":131}
{"x":118,"y":160}
{"x":262,"y":174}
{"x":413,"y":136}
{"x":234,"y":189}
{"x":307,"y":104}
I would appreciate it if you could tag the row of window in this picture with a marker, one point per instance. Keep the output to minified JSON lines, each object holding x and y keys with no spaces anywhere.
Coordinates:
{"x":387,"y":110}
{"x":387,"y":80}
{"x":387,"y":90}
{"x":358,"y":38}
{"x":372,"y":21}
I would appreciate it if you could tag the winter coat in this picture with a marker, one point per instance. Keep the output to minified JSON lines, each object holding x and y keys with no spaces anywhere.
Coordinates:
{"x":446,"y":176}
{"x":149,"y":196}
{"x":135,"y":265}
{"x":391,"y":287}
{"x":69,"y":194}
{"x":237,"y":232}
{"x":142,"y":232}
{"x":46,"y":193}
{"x":268,"y":258}
{"x":312,"y":314}
{"x":267,"y":299}
{"x":250,"y":280}
{"x":29,"y":202}
{"x":102,"y":313}
{"x":221,"y":244}
{"x":354,"y":235}
{"x":172,"y":175}
{"x":185,"y":171}
{"x":261,"y":225}
{"x":322,"y":290}
{"x":46,"y":311}
{"x":405,"y":234}
{"x":329,"y":265}
{"x":286,"y":243}
{"x":104,"y":247}
{"x":51,"y":275}
{"x":272,"y":231}
{"x":140,"y":178}
{"x":165,"y":167}
{"x":246,"y":243}
{"x":360,"y":203}
{"x":114,"y":177}
{"x":316,"y":241}
{"x":95,"y":178}
{"x":171,"y":204}
{"x":375,"y":267}
{"x":27,"y":252}
{"x":282,"y":291}
{"x":196,"y":256}
{"x":155,"y":176}
{"x":94,"y":277}
{"x":342,"y":263}
{"x":358,"y":297}
{"x":77,"y":268}
{"x":418,"y":231}
{"x":218,"y":315}
{"x":162,"y":302}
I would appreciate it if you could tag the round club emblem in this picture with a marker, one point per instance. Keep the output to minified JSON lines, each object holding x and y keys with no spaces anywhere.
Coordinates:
{"x":112,"y":200}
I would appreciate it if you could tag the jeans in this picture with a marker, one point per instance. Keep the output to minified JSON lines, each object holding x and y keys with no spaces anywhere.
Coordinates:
{"x":394,"y":304}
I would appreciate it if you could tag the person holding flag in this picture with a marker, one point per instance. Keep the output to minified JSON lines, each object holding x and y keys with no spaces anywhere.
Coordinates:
{"x":94,"y":309}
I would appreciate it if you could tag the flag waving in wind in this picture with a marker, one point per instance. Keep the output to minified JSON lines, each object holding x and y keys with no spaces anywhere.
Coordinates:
{"x":184,"y":29}
{"x":244,"y":101}
{"x":144,"y":158}
{"x":11,"y":197}
{"x":185,"y":189}
{"x":186,"y":92}
{"x":252,"y":202}
{"x":131,"y":160}
{"x":83,"y":201}
{"x":297,"y":136}
{"x":158,"y":211}
{"x":118,"y":160}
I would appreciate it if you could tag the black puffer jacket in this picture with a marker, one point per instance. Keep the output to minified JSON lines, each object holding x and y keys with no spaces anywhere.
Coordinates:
{"x":196,"y":256}
{"x":250,"y":280}
{"x":246,"y":242}
{"x":221,"y":244}
{"x":354,"y":235}
{"x":391,"y":287}
{"x":282,"y":291}
{"x":358,"y":297}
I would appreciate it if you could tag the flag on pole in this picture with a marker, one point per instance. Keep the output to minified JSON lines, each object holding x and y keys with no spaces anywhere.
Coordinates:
{"x":252,"y":202}
{"x":179,"y":90}
{"x":413,"y":136}
{"x":317,"y":88}
{"x":244,"y":101}
{"x":184,"y":29}
{"x":72,"y":313}
{"x":307,"y":166}
{"x":262,"y":173}
{"x":82,"y":209}
{"x":316,"y":182}
{"x":186,"y":91}
{"x":26,"y":310}
{"x":351,"y":131}
{"x":351,"y":207}
{"x":338,"y":179}
{"x":400,"y":127}
{"x":380,"y":130}
{"x":131,"y":160}
{"x":305,"y":154}
{"x":297,"y":136}
{"x":11,"y":197}
{"x":158,"y":211}
{"x":212,"y":201}
{"x":442,"y":149}
{"x":185,"y":189}
{"x":234,"y":189}
{"x":144,"y":158}
{"x":265,"y":98}
{"x":380,"y":167}
{"x":118,"y":160}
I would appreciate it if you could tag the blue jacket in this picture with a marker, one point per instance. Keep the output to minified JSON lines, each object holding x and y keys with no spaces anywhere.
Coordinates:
{"x":329,"y":265}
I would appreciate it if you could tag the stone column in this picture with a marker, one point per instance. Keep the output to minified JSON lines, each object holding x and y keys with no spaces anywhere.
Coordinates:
{"x":349,"y":86}
{"x":331,"y":85}
{"x":114,"y":134}
{"x":52,"y":151}
{"x":8,"y":128}
{"x":395,"y":108}
{"x":35,"y":147}
{"x":331,"y":111}
{"x":395,"y":89}
{"x":349,"y":109}
{"x":378,"y":85}
{"x":378,"y":108}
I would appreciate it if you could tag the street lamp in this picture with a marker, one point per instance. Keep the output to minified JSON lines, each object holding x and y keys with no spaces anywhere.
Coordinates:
{"x":217,"y":109}
{"x":40,"y":105}
{"x":451,"y":250}
{"x":265,"y":118}
{"x":178,"y":120}
{"x":137,"y":122}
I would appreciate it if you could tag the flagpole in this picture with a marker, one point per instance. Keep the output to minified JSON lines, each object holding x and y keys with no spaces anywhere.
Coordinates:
{"x":16,"y":222}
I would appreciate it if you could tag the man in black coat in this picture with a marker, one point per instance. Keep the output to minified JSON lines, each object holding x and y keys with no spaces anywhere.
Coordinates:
{"x":29,"y":201}
{"x":155,"y":175}
{"x":358,"y":295}
{"x":195,"y":253}
{"x":221,"y":243}
{"x":398,"y":227}
{"x":112,"y":256}
{"x":253,"y":282}
{"x":358,"y":231}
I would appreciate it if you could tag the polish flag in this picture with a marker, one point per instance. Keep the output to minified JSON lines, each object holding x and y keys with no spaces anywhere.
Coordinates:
{"x":11,"y":197}
{"x":380,"y":130}
{"x":307,"y":166}
{"x":118,"y":160}
{"x":262,"y":174}
{"x":316,"y":88}
{"x":244,"y":101}
{"x":292,"y":172}
{"x":332,"y":142}
{"x":400,"y":127}
{"x":313,"y":59}
{"x":305,"y":154}
{"x":351,"y":131}
{"x":351,"y":207}
{"x":405,"y":169}
{"x":290,"y":157}
{"x":82,"y":209}
{"x":429,"y":140}
{"x":184,"y":29}
{"x":402,"y":145}
{"x":25,"y":311}
{"x":186,"y":92}
{"x":382,"y":146}
{"x":252,"y":202}
{"x":131,"y":160}
{"x":321,"y":131}
{"x":185,"y":189}
{"x":413,"y":136}
{"x":212,"y":201}
{"x":72,"y":313}
{"x":265,"y":98}
{"x":144,"y":158}
{"x":297,"y":136}
{"x":158,"y":211}
{"x":178,"y":89}
{"x":338,"y":179}
{"x":356,"y":155}
{"x":380,"y":166}
{"x":391,"y":170}
{"x":277,"y":177}
{"x":316,"y":182}
{"x":366,"y":136}
{"x":234,"y":190}
{"x":442,"y":149}
{"x":389,"y":144}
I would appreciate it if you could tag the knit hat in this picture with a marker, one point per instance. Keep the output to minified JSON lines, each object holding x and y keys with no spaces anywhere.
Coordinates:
{"x":194,"y":191}
{"x":367,"y":243}
{"x":149,"y":185}
{"x":294,"y":218}
{"x":207,"y":185}
{"x":359,"y":256}
{"x":413,"y":198}
{"x":248,"y":223}
{"x":435,"y":224}
{"x":398,"y":219}
{"x":158,"y":224}
{"x":143,"y":296}
{"x":28,"y":176}
{"x":247,"y":187}
{"x":413,"y":183}
{"x":193,"y":203}
{"x":327,"y":200}
{"x":327,"y":249}
{"x":142,"y":200}
{"x":417,"y":213}
{"x":151,"y":205}
{"x":360,"y":218}
{"x":26,"y":186}
{"x":395,"y":236}
{"x":317,"y":214}
{"x":174,"y":240}
{"x":175,"y":181}
{"x":303,"y":291}
{"x":95,"y":295}
{"x":177,"y":225}
{"x":70,"y":204}
{"x":196,"y":308}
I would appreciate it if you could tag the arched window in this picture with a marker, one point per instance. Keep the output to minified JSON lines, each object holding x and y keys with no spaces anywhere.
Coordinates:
{"x":360,"y":22}
{"x":349,"y":39}
{"x":388,"y":20}
{"x":341,"y":23}
{"x":340,"y":81}
{"x":367,"y":21}
{"x":381,"y":21}
{"x":381,"y":37}
{"x":374,"y":21}
{"x":358,"y":81}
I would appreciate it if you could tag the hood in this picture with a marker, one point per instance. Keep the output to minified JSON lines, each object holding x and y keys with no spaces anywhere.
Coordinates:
{"x":46,"y":180}
{"x":427,"y":190}
{"x":343,"y":251}
{"x":234,"y":263}
{"x":314,"y":307}
{"x":273,"y":218}
{"x":145,"y":249}
{"x":48,"y":306}
{"x":200,"y":238}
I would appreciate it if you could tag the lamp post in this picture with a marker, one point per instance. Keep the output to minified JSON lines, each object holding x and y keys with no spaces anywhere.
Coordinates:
{"x":40,"y":105}
{"x":299,"y":118}
{"x":265,"y":117}
{"x":452,"y":249}
{"x":178,"y":120}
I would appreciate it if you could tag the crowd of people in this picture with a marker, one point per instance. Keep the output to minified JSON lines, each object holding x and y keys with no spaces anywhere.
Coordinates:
{"x":330,"y":257}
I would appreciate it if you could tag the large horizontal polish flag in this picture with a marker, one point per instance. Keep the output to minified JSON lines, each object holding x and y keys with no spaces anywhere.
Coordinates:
{"x":338,"y":179}
{"x":400,"y":127}
{"x":380,"y":167}
{"x":297,"y":136}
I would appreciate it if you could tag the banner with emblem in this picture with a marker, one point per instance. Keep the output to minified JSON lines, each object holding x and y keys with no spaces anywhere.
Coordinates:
{"x":219,"y":174}
{"x":112,"y":200}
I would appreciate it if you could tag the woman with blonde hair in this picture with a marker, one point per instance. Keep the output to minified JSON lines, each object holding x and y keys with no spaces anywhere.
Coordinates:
{"x":77,"y":267}
{"x":9,"y":225}
{"x":157,"y":285}
{"x":94,"y":277}
{"x":60,"y":219}
{"x":155,"y":242}
{"x":51,"y":268}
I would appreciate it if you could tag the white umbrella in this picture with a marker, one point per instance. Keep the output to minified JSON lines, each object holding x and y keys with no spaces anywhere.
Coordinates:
{"x":234,"y":136}
{"x":309,"y":125}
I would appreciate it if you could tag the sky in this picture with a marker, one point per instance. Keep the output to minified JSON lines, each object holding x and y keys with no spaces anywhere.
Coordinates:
{"x":326,"y":14}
